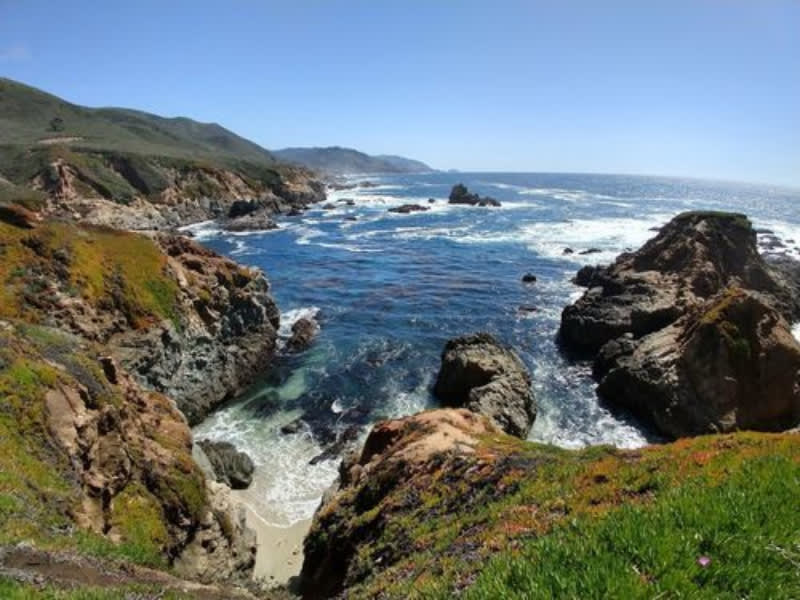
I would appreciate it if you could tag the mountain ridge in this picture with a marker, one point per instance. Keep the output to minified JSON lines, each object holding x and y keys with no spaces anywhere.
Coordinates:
{"x":338,"y":160}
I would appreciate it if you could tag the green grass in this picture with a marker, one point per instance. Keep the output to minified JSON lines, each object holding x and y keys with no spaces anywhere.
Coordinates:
{"x":523,"y":520}
{"x":748,"y":527}
{"x":14,"y":590}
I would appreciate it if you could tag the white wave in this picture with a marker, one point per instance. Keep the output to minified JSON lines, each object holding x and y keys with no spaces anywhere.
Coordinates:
{"x":290,"y":317}
{"x":787,"y":233}
{"x":202,"y":230}
{"x":610,"y":236}
{"x":566,"y":195}
{"x":796,"y":331}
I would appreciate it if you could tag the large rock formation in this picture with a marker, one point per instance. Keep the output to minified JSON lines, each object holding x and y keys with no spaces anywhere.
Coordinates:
{"x":731,"y":365}
{"x":691,"y":331}
{"x":223,"y":333}
{"x":479,"y":374}
{"x":693,"y":257}
{"x":461,"y":195}
{"x":83,"y":442}
{"x":440,"y":500}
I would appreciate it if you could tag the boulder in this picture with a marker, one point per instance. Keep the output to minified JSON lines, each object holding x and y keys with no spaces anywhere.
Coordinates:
{"x":230,"y":466}
{"x":693,"y":257}
{"x":303,"y":332}
{"x":260,"y":220}
{"x":529,"y":278}
{"x":733,"y":364}
{"x":461,"y":195}
{"x":479,"y":374}
{"x":408,"y":208}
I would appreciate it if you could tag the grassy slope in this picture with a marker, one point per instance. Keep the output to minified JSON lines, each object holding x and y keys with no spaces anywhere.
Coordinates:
{"x":26,"y":117}
{"x":522,"y":520}
{"x":118,"y":153}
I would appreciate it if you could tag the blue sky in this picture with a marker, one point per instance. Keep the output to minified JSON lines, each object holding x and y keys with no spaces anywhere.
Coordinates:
{"x":685,"y":87}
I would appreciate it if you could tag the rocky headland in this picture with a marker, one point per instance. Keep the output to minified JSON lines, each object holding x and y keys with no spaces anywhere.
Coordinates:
{"x":692,"y":332}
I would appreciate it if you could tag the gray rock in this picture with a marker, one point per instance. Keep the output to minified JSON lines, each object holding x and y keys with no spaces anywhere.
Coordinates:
{"x":479,"y":374}
{"x":303,"y":332}
{"x":731,"y":365}
{"x":693,"y":257}
{"x":230,"y":466}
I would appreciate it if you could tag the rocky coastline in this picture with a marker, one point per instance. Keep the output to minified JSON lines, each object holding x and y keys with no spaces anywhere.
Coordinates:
{"x":116,"y":342}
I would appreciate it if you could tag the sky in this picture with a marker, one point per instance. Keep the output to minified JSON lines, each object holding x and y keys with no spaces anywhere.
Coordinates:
{"x":701,"y":88}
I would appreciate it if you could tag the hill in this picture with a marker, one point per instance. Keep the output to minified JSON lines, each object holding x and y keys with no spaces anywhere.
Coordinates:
{"x":61,"y":157}
{"x":335,"y":160}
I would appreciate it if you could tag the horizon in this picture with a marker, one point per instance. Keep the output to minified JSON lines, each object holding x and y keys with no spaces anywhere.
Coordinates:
{"x":694,"y":90}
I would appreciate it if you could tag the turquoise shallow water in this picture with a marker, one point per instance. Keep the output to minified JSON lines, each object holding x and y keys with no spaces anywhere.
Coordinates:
{"x":388,"y":290}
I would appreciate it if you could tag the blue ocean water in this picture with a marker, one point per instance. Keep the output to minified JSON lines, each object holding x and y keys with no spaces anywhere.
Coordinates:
{"x":389,"y":289}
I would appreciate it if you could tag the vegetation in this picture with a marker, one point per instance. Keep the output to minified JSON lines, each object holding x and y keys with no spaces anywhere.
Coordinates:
{"x":119,"y":154}
{"x":710,"y":517}
{"x":107,"y":268}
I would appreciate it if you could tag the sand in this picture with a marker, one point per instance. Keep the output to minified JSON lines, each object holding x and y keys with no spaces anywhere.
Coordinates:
{"x":280,"y":549}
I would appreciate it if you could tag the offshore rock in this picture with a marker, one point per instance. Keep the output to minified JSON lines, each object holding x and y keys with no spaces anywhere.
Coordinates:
{"x":693,"y":257}
{"x":461,"y":195}
{"x":479,"y":374}
{"x":303,"y":332}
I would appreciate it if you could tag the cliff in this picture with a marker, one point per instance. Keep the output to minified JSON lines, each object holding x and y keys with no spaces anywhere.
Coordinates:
{"x":96,"y":461}
{"x":442,"y":504}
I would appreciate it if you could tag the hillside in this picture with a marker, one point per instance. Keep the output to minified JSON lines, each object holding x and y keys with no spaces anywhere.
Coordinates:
{"x":90,"y":162}
{"x":340,"y":161}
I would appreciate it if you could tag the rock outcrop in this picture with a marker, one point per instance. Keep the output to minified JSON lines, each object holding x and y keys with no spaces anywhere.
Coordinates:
{"x":223,"y":333}
{"x":229,"y":465}
{"x":693,"y":257}
{"x":691,"y":331}
{"x":408,"y":208}
{"x":86,"y":442}
{"x":434,"y":501}
{"x":731,"y":365}
{"x":394,"y":453}
{"x":303,"y":332}
{"x":461,"y":195}
{"x":483,"y":376}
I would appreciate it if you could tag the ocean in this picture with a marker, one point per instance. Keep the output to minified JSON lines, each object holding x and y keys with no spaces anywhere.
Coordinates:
{"x":388,"y":291}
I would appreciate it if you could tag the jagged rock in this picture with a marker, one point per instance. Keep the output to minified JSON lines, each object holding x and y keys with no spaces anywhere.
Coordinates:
{"x":394,"y":452}
{"x":224,"y":332}
{"x":732,"y":364}
{"x":230,"y":466}
{"x":590,"y":251}
{"x":303,"y":332}
{"x":529,"y":278}
{"x":479,"y":374}
{"x":240,"y":208}
{"x":585,"y":276}
{"x":461,"y":195}
{"x":408,"y":208}
{"x":693,"y":257}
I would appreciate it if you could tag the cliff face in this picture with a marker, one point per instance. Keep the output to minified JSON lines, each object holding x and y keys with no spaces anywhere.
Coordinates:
{"x":151,"y":192}
{"x":183,"y":320}
{"x":87,"y":437}
{"x":443,"y":504}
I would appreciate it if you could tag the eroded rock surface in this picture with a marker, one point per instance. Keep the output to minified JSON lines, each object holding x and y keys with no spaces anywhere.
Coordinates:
{"x":731,"y":365}
{"x":483,"y":376}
